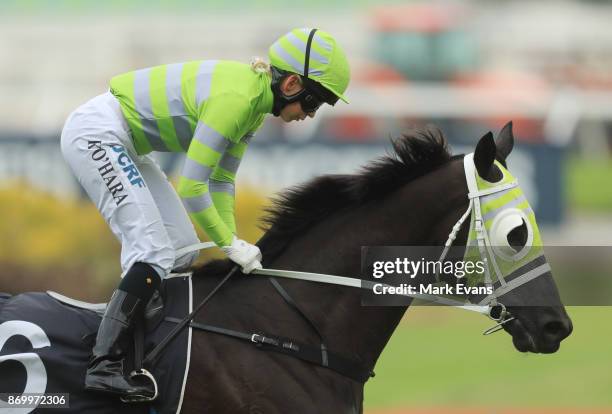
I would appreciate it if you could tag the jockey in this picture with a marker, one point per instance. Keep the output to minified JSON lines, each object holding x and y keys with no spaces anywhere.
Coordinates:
{"x":209,"y":110}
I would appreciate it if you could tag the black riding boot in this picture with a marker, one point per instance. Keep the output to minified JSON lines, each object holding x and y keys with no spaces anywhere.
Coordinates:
{"x":105,"y":372}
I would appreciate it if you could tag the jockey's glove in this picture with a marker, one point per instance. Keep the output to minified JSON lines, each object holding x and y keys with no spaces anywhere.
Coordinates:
{"x":245,"y":254}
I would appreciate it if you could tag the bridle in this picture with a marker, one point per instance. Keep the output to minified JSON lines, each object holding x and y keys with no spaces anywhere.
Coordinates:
{"x":489,"y":306}
{"x":495,"y":310}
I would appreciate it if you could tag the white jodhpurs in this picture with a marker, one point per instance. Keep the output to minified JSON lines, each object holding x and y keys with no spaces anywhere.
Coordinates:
{"x":131,"y":191}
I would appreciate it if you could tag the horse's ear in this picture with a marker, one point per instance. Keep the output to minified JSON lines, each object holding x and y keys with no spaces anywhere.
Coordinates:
{"x":505,"y":142}
{"x":484,"y":155}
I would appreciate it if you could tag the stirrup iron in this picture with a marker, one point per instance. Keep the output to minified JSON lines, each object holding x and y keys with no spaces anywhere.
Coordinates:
{"x":141,"y":398}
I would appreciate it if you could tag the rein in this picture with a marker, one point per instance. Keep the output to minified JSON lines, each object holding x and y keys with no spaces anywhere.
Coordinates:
{"x":489,"y":306}
{"x":316,"y":355}
{"x":155,"y":352}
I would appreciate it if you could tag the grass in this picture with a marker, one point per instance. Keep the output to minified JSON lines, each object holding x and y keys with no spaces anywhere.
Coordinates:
{"x":438,"y":357}
{"x":588,"y":184}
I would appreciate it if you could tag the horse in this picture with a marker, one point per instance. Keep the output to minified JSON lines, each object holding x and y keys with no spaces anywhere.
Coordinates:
{"x":411,"y":197}
{"x":325,"y":342}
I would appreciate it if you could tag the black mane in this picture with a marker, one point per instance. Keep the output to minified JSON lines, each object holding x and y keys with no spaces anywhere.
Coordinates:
{"x":298,"y":208}
{"x":414,"y":154}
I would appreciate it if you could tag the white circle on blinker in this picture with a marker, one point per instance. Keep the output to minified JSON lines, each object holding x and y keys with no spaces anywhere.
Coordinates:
{"x":503,"y":223}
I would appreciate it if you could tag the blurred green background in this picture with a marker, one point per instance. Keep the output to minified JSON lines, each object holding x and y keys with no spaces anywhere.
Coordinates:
{"x":467,"y":67}
{"x":439,"y":358}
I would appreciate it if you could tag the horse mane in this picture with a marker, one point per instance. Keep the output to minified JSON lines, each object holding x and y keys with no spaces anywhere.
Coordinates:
{"x":294,"y":210}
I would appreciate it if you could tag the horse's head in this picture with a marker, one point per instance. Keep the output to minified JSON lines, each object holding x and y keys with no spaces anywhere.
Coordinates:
{"x":412,"y":198}
{"x":510,"y":241}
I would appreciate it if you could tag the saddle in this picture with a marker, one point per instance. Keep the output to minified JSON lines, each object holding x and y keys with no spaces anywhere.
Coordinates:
{"x":51,"y":336}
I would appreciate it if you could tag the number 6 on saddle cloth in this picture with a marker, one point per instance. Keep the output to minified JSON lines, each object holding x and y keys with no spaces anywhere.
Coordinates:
{"x":69,"y":327}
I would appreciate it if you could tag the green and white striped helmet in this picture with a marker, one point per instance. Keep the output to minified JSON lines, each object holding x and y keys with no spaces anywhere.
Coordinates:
{"x":327,"y":63}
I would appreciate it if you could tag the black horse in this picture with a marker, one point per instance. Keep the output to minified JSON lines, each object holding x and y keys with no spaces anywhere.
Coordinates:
{"x":412,"y":197}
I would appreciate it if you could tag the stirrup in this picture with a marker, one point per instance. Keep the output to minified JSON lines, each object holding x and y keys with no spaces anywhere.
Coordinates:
{"x":141,"y":398}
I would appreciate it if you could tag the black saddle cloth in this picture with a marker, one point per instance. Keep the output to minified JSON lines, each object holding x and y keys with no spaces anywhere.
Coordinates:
{"x":45,"y":345}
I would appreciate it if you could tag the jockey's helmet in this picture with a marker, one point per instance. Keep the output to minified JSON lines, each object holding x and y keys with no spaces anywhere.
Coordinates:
{"x":319,"y":60}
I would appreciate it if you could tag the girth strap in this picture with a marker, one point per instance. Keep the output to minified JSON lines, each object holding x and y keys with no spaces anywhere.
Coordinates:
{"x":285,"y":295}
{"x":343,"y":366}
{"x":155,"y":352}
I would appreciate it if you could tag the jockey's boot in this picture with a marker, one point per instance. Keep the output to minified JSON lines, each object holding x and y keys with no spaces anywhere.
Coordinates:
{"x":105,"y":372}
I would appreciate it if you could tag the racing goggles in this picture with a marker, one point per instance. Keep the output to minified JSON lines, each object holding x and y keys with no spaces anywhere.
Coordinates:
{"x":315,"y":95}
{"x":310,"y":102}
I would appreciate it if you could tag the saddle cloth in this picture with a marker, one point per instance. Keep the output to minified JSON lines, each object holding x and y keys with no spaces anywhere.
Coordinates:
{"x":46,"y":341}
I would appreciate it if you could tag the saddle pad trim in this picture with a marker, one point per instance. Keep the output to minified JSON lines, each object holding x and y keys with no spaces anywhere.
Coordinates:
{"x":188,"y":361}
{"x":95,"y":307}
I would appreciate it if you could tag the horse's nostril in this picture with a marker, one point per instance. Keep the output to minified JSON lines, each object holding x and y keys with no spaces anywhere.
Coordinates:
{"x":557,"y":330}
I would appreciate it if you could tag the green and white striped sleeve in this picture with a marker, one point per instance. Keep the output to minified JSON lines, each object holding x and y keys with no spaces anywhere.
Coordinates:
{"x":222,"y":181}
{"x":212,"y":160}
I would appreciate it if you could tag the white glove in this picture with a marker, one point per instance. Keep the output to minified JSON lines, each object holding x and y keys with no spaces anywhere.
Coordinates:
{"x":247,"y":255}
